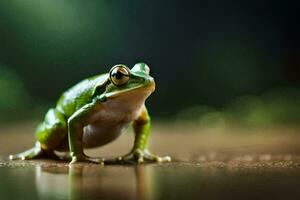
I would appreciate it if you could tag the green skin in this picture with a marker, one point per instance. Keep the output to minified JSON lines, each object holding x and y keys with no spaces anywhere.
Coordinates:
{"x":98,"y":101}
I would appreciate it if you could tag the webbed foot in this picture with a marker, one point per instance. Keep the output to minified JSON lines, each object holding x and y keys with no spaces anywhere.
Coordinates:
{"x":138,"y":156}
{"x":32,"y":153}
{"x":84,"y":158}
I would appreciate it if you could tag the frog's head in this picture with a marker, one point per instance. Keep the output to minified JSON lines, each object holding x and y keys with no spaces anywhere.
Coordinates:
{"x":123,"y":80}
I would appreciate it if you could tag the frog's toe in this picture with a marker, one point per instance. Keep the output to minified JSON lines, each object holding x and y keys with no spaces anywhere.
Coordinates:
{"x":154,"y":158}
{"x":25,"y":156}
{"x":165,"y":159}
{"x":127,"y":159}
{"x":78,"y":159}
{"x":139,"y":156}
{"x":96,"y":160}
{"x":15,"y":157}
{"x":32,"y":153}
{"x":19,"y":156}
{"x":63,"y":156}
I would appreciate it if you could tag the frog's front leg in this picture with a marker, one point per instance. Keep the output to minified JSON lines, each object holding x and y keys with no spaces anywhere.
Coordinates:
{"x":76,"y":124}
{"x":139,"y":152}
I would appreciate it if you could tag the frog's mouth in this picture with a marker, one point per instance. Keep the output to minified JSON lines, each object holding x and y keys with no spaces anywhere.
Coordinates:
{"x":146,"y":89}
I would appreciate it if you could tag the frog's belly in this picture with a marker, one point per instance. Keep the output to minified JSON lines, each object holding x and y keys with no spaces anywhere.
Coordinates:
{"x":110,"y":122}
{"x":102,"y":132}
{"x":113,"y":118}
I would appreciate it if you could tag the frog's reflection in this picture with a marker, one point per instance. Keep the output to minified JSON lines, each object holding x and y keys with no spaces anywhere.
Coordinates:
{"x":94,"y":182}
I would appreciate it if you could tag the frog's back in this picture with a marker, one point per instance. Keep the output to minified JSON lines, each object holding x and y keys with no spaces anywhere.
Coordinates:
{"x":79,"y":95}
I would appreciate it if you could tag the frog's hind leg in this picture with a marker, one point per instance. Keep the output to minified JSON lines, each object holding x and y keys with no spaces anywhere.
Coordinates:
{"x":52,"y":132}
{"x":32,"y":153}
{"x":50,"y":135}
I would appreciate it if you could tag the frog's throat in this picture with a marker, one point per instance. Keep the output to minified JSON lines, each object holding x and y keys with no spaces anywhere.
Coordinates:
{"x":149,"y":88}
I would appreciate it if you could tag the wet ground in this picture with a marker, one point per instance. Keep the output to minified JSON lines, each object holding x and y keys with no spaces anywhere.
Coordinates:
{"x":208,"y":164}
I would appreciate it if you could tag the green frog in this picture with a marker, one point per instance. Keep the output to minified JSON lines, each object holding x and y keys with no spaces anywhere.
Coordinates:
{"x":95,"y":112}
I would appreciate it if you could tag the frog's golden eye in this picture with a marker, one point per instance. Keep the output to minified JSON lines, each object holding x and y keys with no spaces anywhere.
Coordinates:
{"x":119,"y":75}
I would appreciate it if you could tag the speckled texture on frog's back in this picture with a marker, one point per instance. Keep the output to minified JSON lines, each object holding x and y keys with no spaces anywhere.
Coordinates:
{"x":114,"y":116}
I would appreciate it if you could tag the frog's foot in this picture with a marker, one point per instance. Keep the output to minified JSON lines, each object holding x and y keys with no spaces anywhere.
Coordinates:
{"x":84,"y":158}
{"x":138,"y":156}
{"x":63,"y":156}
{"x":35,"y":152}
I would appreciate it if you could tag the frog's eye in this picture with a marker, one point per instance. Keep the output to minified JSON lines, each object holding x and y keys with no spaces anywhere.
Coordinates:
{"x":119,"y":75}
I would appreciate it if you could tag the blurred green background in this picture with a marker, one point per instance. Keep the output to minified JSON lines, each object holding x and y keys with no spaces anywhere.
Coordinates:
{"x":213,"y":61}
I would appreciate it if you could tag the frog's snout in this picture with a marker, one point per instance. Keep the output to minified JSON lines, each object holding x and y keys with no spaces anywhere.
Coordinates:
{"x":151,"y":83}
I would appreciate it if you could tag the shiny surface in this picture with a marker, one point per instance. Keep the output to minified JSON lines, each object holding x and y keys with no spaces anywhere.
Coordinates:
{"x":208,"y":164}
{"x":171,"y":181}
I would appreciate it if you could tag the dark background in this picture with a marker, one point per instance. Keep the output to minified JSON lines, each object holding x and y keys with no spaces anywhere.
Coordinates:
{"x":200,"y":52}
